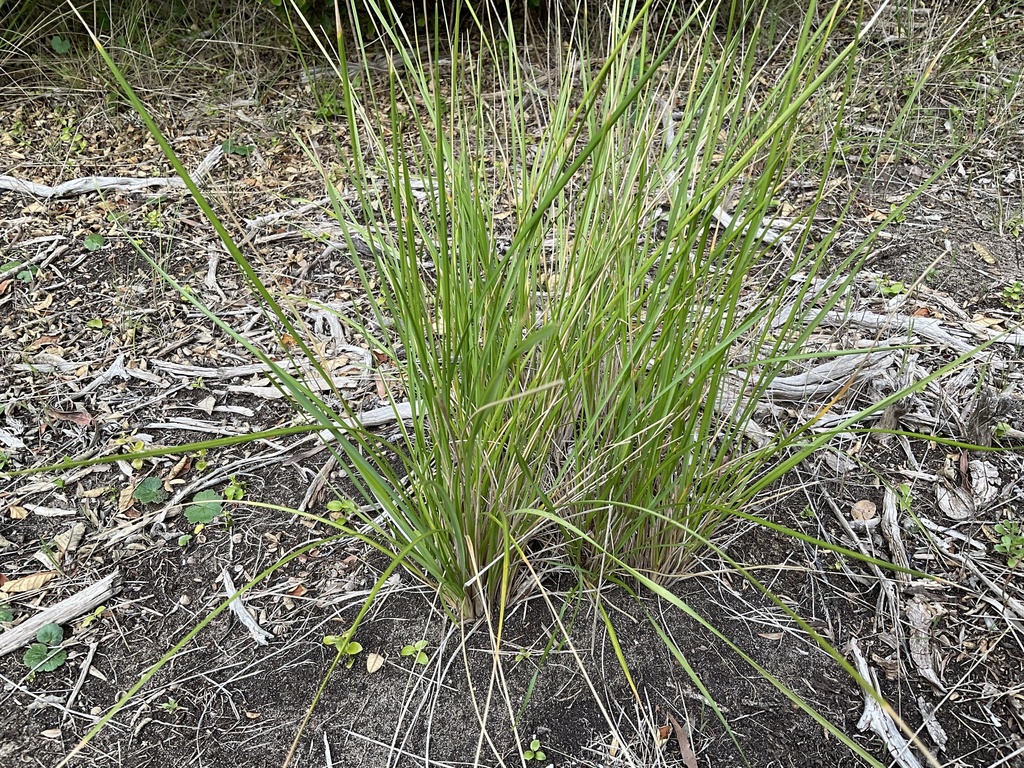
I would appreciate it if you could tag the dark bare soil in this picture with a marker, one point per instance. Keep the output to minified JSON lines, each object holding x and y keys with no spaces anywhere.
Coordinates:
{"x":98,"y":354}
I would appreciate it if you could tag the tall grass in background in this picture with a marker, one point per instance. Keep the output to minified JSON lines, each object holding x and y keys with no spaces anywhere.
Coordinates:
{"x":583,"y":334}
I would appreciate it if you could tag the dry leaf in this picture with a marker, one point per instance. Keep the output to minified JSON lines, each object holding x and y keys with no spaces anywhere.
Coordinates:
{"x":29,"y":583}
{"x":954,"y":501}
{"x":982,"y":251}
{"x":661,"y":737}
{"x":683,"y":739}
{"x":42,"y":341}
{"x":374,"y":662}
{"x":184,"y":463}
{"x":935,"y":730}
{"x":987,"y":321}
{"x":16,"y":512}
{"x":865,"y":509}
{"x":62,"y":544}
{"x":51,"y":733}
{"x":985,"y":481}
{"x":125,"y":500}
{"x":613,"y":750}
{"x":81,"y":418}
{"x":921,"y":616}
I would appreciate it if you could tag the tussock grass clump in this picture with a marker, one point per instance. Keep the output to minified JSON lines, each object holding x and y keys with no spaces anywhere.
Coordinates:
{"x":576,"y":365}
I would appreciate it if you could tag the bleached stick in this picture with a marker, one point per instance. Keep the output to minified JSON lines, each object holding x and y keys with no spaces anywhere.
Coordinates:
{"x":61,"y":613}
{"x":258,"y":633}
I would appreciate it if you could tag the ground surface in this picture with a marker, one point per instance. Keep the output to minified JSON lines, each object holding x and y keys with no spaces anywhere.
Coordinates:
{"x":98,"y":353}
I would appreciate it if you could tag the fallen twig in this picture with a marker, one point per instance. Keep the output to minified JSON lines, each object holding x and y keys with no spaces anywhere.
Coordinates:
{"x":258,"y":633}
{"x":877,"y":720}
{"x":61,"y":613}
{"x":87,"y":184}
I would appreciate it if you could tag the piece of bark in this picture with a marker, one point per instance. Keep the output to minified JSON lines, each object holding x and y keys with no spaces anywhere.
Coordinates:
{"x":893,"y":536}
{"x":87,"y":184}
{"x":929,"y":328}
{"x":988,"y":409}
{"x":61,"y":613}
{"x":921,"y":616}
{"x":877,"y":720}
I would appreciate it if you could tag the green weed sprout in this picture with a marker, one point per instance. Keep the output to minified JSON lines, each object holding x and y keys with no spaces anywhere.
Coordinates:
{"x":416,"y":650}
{"x":534,"y":752}
{"x":345,"y":646}
{"x":1011,"y":542}
{"x":46,"y":655}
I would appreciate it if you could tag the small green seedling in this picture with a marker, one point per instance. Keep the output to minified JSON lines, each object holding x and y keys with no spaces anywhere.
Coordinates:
{"x":94,"y":616}
{"x":153,"y":219}
{"x":23,"y":272}
{"x":150,"y":491}
{"x":1015,"y":226}
{"x":94,"y":241}
{"x":345,"y":646}
{"x":95,"y":323}
{"x":904,"y":498}
{"x":134,"y":447}
{"x":6,"y":614}
{"x":341,"y":509}
{"x":416,"y":649}
{"x":205,"y":506}
{"x":1011,"y":542}
{"x":534,"y":752}
{"x":235,"y":490}
{"x":1013,"y":296}
{"x":523,"y":655}
{"x":890,"y":288}
{"x":231,"y":148}
{"x":60,"y":45}
{"x":47,"y":551}
{"x":46,"y":655}
{"x":171,"y":705}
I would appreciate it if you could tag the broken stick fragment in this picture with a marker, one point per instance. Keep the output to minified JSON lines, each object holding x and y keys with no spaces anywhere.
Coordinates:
{"x":66,"y":610}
